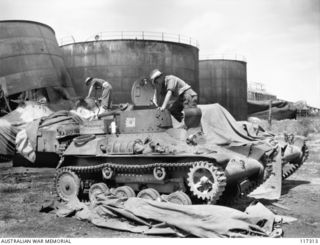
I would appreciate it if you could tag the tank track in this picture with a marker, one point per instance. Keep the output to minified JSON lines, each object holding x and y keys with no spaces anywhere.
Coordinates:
{"x":290,"y":169}
{"x":120,"y":167}
{"x":134,"y":169}
{"x":293,"y":167}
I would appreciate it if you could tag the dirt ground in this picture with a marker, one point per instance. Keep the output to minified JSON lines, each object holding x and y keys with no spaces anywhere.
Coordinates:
{"x":24,"y":190}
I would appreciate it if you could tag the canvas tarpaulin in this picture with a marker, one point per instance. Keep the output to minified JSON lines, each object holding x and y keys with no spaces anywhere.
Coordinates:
{"x":222,"y":129}
{"x":26,"y":139}
{"x":17,"y":120}
{"x":154,"y":217}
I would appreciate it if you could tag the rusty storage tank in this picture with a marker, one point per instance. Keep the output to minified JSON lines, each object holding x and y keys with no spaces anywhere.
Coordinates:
{"x":30,"y":58}
{"x":225,"y":82}
{"x":122,"y":61}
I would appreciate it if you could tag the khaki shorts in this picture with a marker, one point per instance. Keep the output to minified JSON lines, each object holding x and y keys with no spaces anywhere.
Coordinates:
{"x":188,"y":99}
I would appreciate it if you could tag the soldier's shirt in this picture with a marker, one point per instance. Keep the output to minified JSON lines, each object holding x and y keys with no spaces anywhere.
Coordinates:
{"x":176,"y":85}
{"x":100,"y":83}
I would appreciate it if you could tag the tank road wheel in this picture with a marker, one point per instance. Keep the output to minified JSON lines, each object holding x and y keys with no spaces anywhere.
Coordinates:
{"x":150,"y":194}
{"x":67,"y":185}
{"x":206,"y":181}
{"x":159,"y":173}
{"x":180,"y":198}
{"x":107,"y":173}
{"x":96,"y":189}
{"x":124,"y":192}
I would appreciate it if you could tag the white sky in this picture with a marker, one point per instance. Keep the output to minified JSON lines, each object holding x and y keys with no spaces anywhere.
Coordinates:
{"x":279,"y":38}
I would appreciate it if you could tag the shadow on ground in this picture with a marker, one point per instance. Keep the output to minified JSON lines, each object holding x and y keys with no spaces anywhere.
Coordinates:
{"x":287,"y":185}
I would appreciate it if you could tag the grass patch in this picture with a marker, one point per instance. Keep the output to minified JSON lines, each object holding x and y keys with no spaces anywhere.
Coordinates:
{"x":7,"y":216}
{"x":7,"y":189}
{"x":301,"y":126}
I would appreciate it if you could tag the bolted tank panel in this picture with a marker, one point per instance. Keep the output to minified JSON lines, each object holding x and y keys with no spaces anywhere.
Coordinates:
{"x":121,"y":62}
{"x":30,"y":58}
{"x":224,"y":82}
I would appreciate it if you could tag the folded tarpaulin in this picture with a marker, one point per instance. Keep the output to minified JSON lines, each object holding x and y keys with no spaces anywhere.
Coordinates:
{"x":221,"y":128}
{"x":7,"y":137}
{"x":154,"y":217}
{"x":17,"y":120}
{"x":26,"y":139}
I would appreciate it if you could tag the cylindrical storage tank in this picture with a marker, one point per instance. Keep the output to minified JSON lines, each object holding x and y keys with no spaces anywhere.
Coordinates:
{"x":224,"y":82}
{"x":30,"y":58}
{"x":123,"y":61}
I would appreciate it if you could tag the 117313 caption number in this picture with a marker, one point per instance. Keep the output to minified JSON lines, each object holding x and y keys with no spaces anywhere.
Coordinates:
{"x":309,"y":240}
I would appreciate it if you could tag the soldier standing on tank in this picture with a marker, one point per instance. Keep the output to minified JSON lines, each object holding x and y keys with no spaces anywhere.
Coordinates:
{"x":170,"y":85}
{"x":96,"y":83}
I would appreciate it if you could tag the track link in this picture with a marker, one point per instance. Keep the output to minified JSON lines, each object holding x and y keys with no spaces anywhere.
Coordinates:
{"x":290,"y":168}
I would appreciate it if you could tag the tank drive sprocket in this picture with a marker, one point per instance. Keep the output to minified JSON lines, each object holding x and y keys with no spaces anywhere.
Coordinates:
{"x":206,"y":181}
{"x":67,"y":184}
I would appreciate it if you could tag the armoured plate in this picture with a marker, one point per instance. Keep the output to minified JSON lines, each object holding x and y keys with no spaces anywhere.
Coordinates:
{"x":95,"y":127}
{"x":145,"y":121}
{"x":89,"y":148}
{"x":47,"y":141}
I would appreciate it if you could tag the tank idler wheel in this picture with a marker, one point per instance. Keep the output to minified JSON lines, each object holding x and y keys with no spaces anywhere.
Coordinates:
{"x":96,"y":189}
{"x":107,"y":173}
{"x":124,"y":192}
{"x":179,"y":197}
{"x":159,"y":173}
{"x":67,"y":185}
{"x":150,"y":194}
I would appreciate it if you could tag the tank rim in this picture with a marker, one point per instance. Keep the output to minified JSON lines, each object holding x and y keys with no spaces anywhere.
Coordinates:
{"x":131,"y":39}
{"x":30,"y":22}
{"x":240,"y":61}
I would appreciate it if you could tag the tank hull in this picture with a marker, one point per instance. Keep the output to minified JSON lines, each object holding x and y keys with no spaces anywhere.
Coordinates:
{"x":136,"y":170}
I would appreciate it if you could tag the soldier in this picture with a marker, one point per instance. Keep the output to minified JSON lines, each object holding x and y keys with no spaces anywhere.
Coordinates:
{"x":96,"y":83}
{"x":170,"y":85}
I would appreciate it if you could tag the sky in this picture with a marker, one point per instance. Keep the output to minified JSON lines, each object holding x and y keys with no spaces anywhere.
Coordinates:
{"x":280,"y":39}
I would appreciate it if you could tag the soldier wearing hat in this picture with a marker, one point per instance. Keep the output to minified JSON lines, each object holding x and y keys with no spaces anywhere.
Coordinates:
{"x":170,"y":85}
{"x":96,"y":83}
